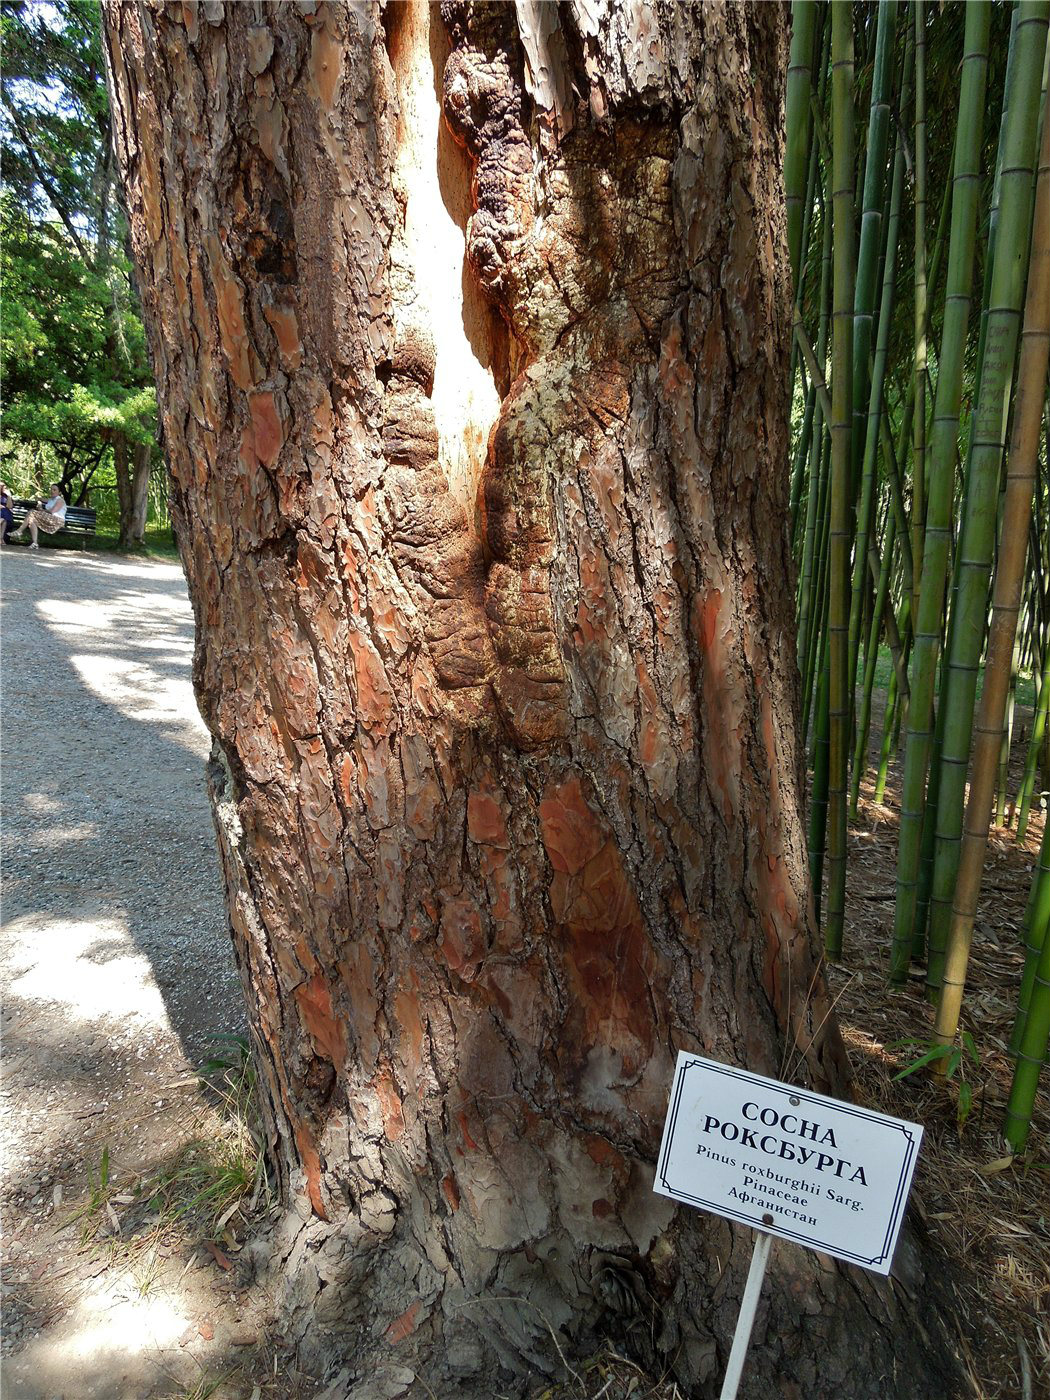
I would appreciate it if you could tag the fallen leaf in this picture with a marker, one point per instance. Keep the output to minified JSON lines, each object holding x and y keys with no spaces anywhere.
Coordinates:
{"x":225,"y":1218}
{"x":217,"y":1254}
{"x":206,"y":1330}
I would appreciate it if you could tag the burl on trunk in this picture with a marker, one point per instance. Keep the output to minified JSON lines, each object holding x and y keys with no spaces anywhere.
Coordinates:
{"x":469,"y":329}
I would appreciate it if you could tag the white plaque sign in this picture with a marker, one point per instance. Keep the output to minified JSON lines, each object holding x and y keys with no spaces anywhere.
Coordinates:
{"x":828,"y":1175}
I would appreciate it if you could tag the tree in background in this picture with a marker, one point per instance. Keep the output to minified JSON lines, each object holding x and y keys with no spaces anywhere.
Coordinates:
{"x":77,"y":385}
{"x":471,"y":330}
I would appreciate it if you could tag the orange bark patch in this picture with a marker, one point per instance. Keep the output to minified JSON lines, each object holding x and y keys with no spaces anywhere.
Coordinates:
{"x":346,"y":779}
{"x":404,"y":1325}
{"x":232,"y":331}
{"x":485,"y":820}
{"x":390,"y":1104}
{"x":467,"y":1139}
{"x":266,"y":427}
{"x":612,"y":964}
{"x":326,"y":66}
{"x":590,"y":615}
{"x":572,"y":833}
{"x":461,"y":941}
{"x":315,"y":1008}
{"x":674,"y":371}
{"x":771,"y":963}
{"x":270,"y":128}
{"x":406,"y":1009}
{"x":374,"y":696}
{"x":451,"y":1191}
{"x":358,"y":981}
{"x":707,"y":611}
{"x":285,"y":326}
{"x":312,"y":1169}
{"x":603,"y":1153}
{"x":423,"y":797}
{"x":500,"y":885}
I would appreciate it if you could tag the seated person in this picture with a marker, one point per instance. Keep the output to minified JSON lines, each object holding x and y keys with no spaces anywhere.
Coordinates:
{"x":49,"y":516}
{"x":7,"y":516}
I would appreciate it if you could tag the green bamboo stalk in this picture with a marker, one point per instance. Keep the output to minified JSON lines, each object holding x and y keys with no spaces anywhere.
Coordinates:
{"x":1033,"y":934}
{"x":798,"y":470}
{"x":870,"y":241}
{"x":918,"y":471}
{"x":818,"y":802}
{"x":876,"y":408}
{"x":889,"y":722}
{"x":816,"y":656}
{"x":819,"y":420}
{"x":817,"y":103}
{"x":1000,"y":664}
{"x":1031,"y":1052}
{"x":841,"y":469}
{"x":988,"y":440}
{"x":893,"y":481}
{"x":1006,"y":737}
{"x":941,"y":477}
{"x":871,"y":656}
{"x":808,"y":616}
{"x":897,"y":638}
{"x":796,"y":150}
{"x":1035,"y":743}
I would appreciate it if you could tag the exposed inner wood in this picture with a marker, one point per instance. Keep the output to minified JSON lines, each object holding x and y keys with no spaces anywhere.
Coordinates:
{"x":435,"y":290}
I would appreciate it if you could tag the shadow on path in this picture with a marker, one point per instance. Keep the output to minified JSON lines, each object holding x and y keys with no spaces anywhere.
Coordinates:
{"x":116,"y":962}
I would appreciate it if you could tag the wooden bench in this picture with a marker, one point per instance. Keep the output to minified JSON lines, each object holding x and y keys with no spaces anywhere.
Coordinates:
{"x":80,"y":520}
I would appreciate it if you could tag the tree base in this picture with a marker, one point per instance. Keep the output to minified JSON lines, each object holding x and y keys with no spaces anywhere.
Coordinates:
{"x":824,"y":1331}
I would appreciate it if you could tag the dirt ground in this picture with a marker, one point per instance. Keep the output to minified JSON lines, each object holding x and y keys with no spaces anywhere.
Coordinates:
{"x":131,"y":1186}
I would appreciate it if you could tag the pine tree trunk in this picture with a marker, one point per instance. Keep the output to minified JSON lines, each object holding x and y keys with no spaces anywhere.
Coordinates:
{"x":131,"y":468}
{"x":477,"y":433}
{"x":122,"y":472}
{"x":140,"y":464}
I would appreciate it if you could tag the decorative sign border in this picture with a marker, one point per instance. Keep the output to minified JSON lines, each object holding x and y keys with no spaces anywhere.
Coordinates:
{"x":912,"y":1132}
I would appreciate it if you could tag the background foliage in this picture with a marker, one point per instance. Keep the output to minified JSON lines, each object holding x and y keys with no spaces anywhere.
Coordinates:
{"x":72,"y":347}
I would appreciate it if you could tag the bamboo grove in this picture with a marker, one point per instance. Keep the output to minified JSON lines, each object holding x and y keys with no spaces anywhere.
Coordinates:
{"x":917,"y":173}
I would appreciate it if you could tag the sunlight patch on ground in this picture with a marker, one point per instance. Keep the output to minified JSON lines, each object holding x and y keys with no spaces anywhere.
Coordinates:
{"x":67,"y":970}
{"x":42,"y":804}
{"x":100,"y":1345}
{"x":68,"y":612}
{"x":55,"y":838}
{"x":142,"y":693}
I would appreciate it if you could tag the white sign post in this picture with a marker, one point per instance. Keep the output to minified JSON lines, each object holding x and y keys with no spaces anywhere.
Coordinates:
{"x":826,"y":1174}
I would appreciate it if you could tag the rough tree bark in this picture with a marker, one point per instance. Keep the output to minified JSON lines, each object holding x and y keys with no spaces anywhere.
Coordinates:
{"x":132,"y":473}
{"x":470,"y":333}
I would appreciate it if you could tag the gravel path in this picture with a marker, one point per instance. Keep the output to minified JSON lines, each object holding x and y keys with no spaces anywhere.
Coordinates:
{"x":114,"y":959}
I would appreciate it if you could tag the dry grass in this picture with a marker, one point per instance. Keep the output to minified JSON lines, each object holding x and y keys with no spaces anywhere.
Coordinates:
{"x":610,"y":1376}
{"x":987,"y":1216}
